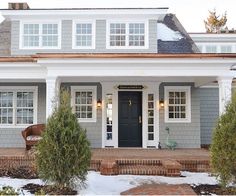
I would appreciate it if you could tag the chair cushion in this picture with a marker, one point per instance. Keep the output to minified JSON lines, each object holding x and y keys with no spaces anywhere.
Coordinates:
{"x":33,"y":138}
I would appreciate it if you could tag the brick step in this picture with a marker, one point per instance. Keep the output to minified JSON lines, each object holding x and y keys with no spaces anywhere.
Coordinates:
{"x":142,"y":170}
{"x":154,"y":162}
{"x":95,"y":164}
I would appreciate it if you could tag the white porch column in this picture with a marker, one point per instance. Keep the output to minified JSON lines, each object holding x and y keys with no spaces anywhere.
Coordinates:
{"x":225,"y":85}
{"x":52,"y":89}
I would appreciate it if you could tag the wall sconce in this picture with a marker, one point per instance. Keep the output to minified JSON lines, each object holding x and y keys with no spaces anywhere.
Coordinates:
{"x":161,"y":103}
{"x":99,"y":103}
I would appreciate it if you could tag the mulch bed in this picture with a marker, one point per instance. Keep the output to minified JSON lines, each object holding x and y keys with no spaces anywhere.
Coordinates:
{"x":30,"y":173}
{"x":205,"y":189}
{"x":48,"y":190}
{"x":20,"y":172}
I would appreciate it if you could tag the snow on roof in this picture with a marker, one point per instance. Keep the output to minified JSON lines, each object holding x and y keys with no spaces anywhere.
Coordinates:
{"x":164,"y":33}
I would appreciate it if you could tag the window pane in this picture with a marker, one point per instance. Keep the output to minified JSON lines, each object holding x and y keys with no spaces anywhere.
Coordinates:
{"x":6,"y":107}
{"x":31,"y":35}
{"x":25,"y":110}
{"x":50,"y":35}
{"x":117,"y":34}
{"x":136,"y":34}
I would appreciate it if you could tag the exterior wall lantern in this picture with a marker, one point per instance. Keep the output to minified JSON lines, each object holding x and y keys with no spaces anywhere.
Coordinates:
{"x":99,"y":103}
{"x":161,"y":103}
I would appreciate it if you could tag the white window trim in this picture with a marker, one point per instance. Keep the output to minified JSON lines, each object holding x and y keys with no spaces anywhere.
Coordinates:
{"x":21,"y":40}
{"x":16,"y":89}
{"x":127,"y":22}
{"x":94,"y":101}
{"x":187,"y":89}
{"x":93,"y":22}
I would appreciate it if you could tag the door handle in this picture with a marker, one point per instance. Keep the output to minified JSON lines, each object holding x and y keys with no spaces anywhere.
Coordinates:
{"x":140,"y":119}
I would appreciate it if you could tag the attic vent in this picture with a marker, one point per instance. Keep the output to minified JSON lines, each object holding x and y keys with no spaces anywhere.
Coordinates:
{"x":18,"y":6}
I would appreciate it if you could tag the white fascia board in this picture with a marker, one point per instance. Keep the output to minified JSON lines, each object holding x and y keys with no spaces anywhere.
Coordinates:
{"x":101,"y":13}
{"x":103,"y":72}
{"x":22,"y":73}
{"x":158,"y":61}
{"x":18,"y":64}
{"x":213,"y":37}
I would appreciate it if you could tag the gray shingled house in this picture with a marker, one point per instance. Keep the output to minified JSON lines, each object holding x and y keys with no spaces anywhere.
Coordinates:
{"x":131,"y":73}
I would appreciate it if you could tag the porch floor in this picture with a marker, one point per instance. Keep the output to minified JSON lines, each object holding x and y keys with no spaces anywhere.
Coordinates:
{"x":140,"y":153}
{"x":110,"y":161}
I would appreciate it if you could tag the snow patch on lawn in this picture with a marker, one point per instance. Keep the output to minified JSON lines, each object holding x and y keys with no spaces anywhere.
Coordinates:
{"x":114,"y":185}
{"x":167,"y":34}
{"x":17,"y":183}
{"x":98,"y":184}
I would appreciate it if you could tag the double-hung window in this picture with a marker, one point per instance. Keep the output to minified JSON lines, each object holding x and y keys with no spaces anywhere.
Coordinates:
{"x":84,"y":102}
{"x":226,"y":49}
{"x":177,"y":104}
{"x":40,"y":35}
{"x":130,"y":35}
{"x":84,"y":35}
{"x":211,"y":49}
{"x":18,"y":106}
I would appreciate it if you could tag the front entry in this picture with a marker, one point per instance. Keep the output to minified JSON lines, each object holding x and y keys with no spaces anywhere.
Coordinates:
{"x":130,"y":119}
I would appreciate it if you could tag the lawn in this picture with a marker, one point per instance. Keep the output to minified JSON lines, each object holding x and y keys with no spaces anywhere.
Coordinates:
{"x":113,"y":185}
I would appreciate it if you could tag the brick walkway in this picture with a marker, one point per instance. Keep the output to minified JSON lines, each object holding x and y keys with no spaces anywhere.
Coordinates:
{"x":160,"y":189}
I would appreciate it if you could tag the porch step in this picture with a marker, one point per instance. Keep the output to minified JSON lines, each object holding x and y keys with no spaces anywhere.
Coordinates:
{"x":139,"y":162}
{"x":142,"y":170}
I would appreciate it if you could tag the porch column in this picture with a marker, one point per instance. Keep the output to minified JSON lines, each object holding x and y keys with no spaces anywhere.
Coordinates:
{"x":225,"y":85}
{"x":51,"y":92}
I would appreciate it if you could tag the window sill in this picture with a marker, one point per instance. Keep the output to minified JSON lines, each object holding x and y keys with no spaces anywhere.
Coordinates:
{"x":15,"y":126}
{"x":178,"y":121}
{"x":87,"y":120}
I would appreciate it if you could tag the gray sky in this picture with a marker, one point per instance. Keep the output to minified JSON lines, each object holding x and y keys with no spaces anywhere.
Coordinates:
{"x":191,"y":13}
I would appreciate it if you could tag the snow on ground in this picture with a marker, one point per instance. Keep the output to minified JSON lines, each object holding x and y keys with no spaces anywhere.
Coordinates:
{"x":167,"y":34}
{"x":114,"y":185}
{"x":18,"y":183}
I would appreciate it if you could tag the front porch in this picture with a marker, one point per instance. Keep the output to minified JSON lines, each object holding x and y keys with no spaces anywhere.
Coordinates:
{"x":135,"y":161}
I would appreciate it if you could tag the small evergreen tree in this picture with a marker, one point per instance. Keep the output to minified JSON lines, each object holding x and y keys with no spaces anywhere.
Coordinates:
{"x":63,"y":154}
{"x":223,"y":148}
{"x":214,"y":23}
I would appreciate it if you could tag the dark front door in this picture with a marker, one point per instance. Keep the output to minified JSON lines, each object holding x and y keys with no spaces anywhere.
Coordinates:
{"x":130,"y":119}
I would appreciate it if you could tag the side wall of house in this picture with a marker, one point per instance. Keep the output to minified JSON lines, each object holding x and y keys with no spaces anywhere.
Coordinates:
{"x":187,"y":135}
{"x":209,"y":112}
{"x":94,"y":129}
{"x":66,"y":40}
{"x":11,"y":137}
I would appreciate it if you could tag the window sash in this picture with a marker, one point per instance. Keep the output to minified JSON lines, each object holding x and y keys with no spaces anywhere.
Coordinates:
{"x":6,"y":107}
{"x":46,"y":36}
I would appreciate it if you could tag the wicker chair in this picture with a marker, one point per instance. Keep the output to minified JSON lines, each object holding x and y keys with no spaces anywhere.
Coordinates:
{"x":32,"y":135}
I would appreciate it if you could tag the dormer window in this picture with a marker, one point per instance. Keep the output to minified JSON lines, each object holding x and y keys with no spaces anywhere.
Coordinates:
{"x":40,"y":36}
{"x":130,"y":35}
{"x":84,"y":35}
